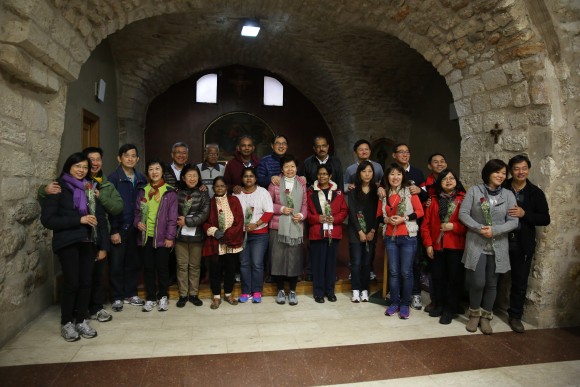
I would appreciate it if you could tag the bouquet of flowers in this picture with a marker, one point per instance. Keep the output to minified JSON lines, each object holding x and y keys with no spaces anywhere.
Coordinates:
{"x":92,"y":204}
{"x":289,"y":199}
{"x":187,"y":205}
{"x":328,"y":212}
{"x":486,"y":209}
{"x":144,"y":208}
{"x":363,"y":226}
{"x":450,"y":210}
{"x":401,"y":209}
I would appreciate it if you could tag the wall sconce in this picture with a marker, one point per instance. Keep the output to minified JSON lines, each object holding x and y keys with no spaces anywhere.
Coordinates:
{"x":251,"y":28}
{"x":100,"y":87}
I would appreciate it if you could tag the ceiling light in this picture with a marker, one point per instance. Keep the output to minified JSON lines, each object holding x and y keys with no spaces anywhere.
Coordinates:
{"x":251,"y":28}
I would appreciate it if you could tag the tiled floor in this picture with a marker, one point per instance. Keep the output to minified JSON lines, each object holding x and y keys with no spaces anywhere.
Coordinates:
{"x":270,"y":344}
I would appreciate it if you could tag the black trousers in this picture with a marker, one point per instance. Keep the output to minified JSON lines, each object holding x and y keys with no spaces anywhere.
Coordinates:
{"x":156,"y":271}
{"x":521,"y":265}
{"x":76,"y":263}
{"x":323,"y":258}
{"x":448,"y":274}
{"x":97,"y":298}
{"x":222,"y":263}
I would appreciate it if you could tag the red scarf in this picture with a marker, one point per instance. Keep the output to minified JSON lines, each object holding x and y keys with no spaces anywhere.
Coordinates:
{"x":155,"y":189}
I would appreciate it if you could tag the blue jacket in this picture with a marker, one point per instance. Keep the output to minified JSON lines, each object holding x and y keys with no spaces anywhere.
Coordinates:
{"x":269,"y":166}
{"x":128,"y":192}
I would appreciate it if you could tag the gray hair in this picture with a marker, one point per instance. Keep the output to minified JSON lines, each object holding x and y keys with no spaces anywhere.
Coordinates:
{"x":212,"y":145}
{"x":179,"y":145}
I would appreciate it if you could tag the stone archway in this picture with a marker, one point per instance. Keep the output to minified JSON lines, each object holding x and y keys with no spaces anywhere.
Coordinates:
{"x":509,"y":62}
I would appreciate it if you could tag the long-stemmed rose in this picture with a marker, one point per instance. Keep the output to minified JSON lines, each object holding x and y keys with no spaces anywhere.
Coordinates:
{"x":363,"y":226}
{"x":289,"y":199}
{"x":90,"y":191}
{"x":247,"y":220}
{"x":328,"y":213}
{"x":450,"y":210}
{"x":222,"y":220}
{"x":144,"y":208}
{"x":401,"y":209}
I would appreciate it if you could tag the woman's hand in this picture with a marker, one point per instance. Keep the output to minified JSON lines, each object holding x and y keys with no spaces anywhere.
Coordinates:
{"x":447,"y":227}
{"x":486,"y":232}
{"x":430,"y":252}
{"x":181,"y":221}
{"x":297,"y":217}
{"x":322,"y":218}
{"x":142,"y":226}
{"x":116,"y":238}
{"x":370,"y":236}
{"x":102,"y":254}
{"x":395,"y":220}
{"x":275,"y":180}
{"x":91,"y":220}
{"x":251,"y":227}
{"x":287,"y":211}
{"x":362,"y":236}
{"x":168,"y":243}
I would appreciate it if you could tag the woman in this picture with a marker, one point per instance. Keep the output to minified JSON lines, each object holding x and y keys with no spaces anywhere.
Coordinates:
{"x":156,"y":218}
{"x":258,"y":210}
{"x":287,"y":228}
{"x":225,"y":235}
{"x":193,"y":204}
{"x":362,"y":225}
{"x":485,"y":213}
{"x":326,"y":212}
{"x":80,"y":237}
{"x":399,"y":211}
{"x":444,"y":240}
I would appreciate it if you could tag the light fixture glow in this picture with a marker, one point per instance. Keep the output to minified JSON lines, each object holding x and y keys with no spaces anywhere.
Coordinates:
{"x":251,"y":28}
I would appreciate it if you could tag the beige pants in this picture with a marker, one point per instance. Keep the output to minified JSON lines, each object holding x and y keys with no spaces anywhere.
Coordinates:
{"x":188,"y":256}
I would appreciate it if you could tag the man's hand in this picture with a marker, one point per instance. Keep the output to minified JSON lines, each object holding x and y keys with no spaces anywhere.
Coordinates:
{"x":517,"y":212}
{"x":168,"y":243}
{"x":414,"y":190}
{"x":116,"y":238}
{"x":102,"y":254}
{"x":52,"y":188}
{"x":275,"y":180}
{"x":237,"y":189}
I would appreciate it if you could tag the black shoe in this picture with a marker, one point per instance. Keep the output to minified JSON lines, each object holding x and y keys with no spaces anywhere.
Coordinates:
{"x":195,"y":300}
{"x":436,"y":312}
{"x":331,"y":297}
{"x":446,"y":318}
{"x":429,"y":308}
{"x":516,"y":325}
{"x":318,"y":299}
{"x":181,"y":302}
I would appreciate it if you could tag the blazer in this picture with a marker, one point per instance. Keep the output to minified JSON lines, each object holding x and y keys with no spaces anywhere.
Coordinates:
{"x":471,"y":215}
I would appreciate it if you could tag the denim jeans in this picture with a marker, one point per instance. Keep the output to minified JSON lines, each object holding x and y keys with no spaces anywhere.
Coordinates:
{"x":252,"y":263}
{"x":400,"y":255}
{"x":360,"y":265}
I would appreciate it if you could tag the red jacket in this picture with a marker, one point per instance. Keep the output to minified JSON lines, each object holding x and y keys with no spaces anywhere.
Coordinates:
{"x":233,"y":236}
{"x":431,"y":227}
{"x":338,"y":208}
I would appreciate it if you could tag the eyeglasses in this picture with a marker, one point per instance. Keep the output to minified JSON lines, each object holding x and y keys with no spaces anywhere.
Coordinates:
{"x":402,"y":152}
{"x":448,"y":178}
{"x":180,"y":153}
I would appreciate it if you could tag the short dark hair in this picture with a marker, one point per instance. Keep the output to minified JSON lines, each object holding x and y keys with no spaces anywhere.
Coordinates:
{"x":244,"y":136}
{"x":126,"y":148}
{"x":518,"y":159}
{"x":359,"y":143}
{"x":74,"y":159}
{"x":398,"y":145}
{"x":319,"y":137}
{"x":277,"y":137}
{"x":433,"y":155}
{"x":493,"y":165}
{"x":218,"y":178}
{"x":153,"y":162}
{"x":188,"y":168}
{"x":251,"y":169}
{"x":288,"y":158}
{"x":93,"y":149}
{"x":439,"y":181}
{"x":395,"y":167}
{"x":326,"y":166}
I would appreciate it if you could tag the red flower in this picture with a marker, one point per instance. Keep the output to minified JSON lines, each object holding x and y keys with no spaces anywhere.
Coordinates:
{"x":88,"y":185}
{"x":143,"y":200}
{"x":482,"y":200}
{"x":287,"y":191}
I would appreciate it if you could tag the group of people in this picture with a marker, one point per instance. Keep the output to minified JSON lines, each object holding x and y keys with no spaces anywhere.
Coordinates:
{"x":258,"y":214}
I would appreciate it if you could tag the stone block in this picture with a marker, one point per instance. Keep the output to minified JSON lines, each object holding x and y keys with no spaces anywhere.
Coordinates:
{"x":542,"y":115}
{"x":513,"y":71}
{"x":35,"y":115}
{"x":472,"y":86}
{"x":494,"y":117}
{"x":12,"y":240}
{"x":14,"y":60}
{"x":514,"y":143}
{"x":25,"y":212}
{"x":493,"y":79}
{"x":463,"y":107}
{"x":501,"y":98}
{"x":16,"y":163}
{"x":11,"y":105}
{"x":470,"y":124}
{"x":456,"y":91}
{"x":521,"y":95}
{"x":538,"y":92}
{"x":14,"y":188}
{"x":12,"y":134}
{"x":480,"y":103}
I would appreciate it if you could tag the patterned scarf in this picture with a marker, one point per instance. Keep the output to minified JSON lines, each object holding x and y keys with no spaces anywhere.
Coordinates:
{"x":444,"y":200}
{"x":493,"y":192}
{"x":79,"y":195}
{"x":154,"y":192}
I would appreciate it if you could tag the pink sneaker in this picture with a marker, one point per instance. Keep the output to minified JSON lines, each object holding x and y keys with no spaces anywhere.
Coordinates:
{"x":257,"y":298}
{"x":245,"y":298}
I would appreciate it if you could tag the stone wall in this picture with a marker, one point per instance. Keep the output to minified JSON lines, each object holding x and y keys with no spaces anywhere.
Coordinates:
{"x":513,"y":63}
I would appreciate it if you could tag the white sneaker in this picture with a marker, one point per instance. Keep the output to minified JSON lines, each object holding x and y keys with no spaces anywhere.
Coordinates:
{"x":364,"y":296}
{"x":163,"y":304}
{"x":416,"y":302}
{"x":102,"y":316}
{"x":149,"y":305}
{"x":355,"y":296}
{"x":85,"y":330}
{"x":135,"y":301}
{"x":117,"y":306}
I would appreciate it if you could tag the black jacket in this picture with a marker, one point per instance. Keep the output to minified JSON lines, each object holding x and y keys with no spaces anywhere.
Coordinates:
{"x":311,"y":164}
{"x":535,"y":205}
{"x":197,"y":214}
{"x":59,"y":215}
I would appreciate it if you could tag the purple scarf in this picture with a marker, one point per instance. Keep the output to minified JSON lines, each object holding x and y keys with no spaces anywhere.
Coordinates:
{"x":79,"y":195}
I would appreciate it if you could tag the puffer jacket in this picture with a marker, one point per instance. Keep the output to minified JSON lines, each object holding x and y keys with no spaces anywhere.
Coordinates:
{"x":166,"y":221}
{"x":197,"y":214}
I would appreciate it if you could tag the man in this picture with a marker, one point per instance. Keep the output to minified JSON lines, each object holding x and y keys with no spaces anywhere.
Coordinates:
{"x":125,"y":260}
{"x":210,"y":168}
{"x":244,"y":157}
{"x":362,"y":150}
{"x":179,"y":157}
{"x":321,"y":156}
{"x":113,"y":205}
{"x":532,"y":211}
{"x":436,"y":164}
{"x":269,"y":167}
{"x":402,"y":155}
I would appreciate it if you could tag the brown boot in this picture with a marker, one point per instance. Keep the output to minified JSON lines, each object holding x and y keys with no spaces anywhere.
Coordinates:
{"x":484,"y":323}
{"x":474,"y":317}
